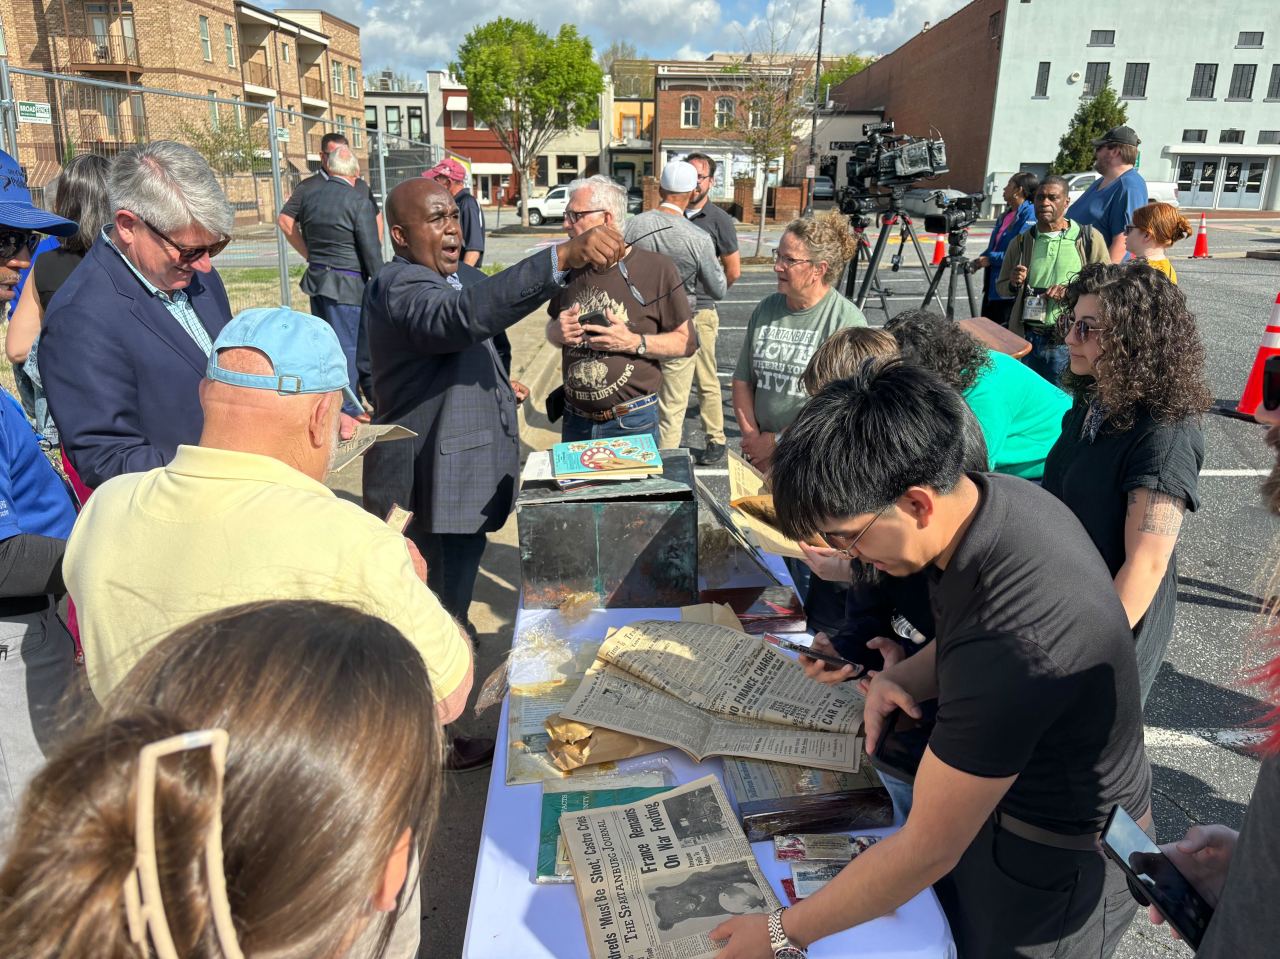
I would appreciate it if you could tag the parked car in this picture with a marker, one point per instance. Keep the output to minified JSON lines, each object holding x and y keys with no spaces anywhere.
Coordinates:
{"x":1165,"y":191}
{"x":547,"y":207}
{"x":823,"y":188}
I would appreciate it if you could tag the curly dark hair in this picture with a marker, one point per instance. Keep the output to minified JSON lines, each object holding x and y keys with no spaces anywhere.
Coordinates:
{"x":1151,"y":356}
{"x":930,"y":340}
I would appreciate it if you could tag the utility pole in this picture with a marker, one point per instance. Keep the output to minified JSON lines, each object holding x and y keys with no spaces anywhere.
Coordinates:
{"x":817,"y":79}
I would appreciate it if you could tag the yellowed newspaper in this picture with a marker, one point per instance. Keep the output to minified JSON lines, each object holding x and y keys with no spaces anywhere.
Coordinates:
{"x":655,"y":877}
{"x":714,"y":691}
{"x":746,"y":481}
{"x":365,"y":436}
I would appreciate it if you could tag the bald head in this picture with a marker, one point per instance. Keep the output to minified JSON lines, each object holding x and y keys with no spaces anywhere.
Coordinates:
{"x":423,"y":220}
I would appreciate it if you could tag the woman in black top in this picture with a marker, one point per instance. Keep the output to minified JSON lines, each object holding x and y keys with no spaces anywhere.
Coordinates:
{"x":1130,"y":452}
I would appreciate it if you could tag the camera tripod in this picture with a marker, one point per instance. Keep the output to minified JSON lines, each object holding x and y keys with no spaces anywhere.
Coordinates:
{"x":955,"y":262}
{"x":863,"y":255}
{"x":894,"y":216}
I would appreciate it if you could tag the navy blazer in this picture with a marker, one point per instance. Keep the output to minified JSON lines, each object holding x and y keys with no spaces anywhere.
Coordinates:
{"x":437,"y":372}
{"x":121,"y":374}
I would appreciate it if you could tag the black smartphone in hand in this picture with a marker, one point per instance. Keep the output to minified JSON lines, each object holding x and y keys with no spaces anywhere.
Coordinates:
{"x":593,"y":318}
{"x":831,"y":659}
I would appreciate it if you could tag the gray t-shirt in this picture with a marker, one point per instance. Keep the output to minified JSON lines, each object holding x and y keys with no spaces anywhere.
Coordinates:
{"x":778,"y":346}
{"x":688,"y":247}
{"x":724,"y":236}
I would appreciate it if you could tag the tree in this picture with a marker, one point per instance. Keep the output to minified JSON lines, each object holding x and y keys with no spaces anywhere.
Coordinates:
{"x":528,"y":87}
{"x":230,"y":146}
{"x":841,"y":70}
{"x":1094,"y":117}
{"x":631,"y":72}
{"x":617,"y":50}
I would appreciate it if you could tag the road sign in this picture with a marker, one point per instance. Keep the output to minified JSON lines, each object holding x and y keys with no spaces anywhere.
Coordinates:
{"x":29,"y":112}
{"x":810,"y":172}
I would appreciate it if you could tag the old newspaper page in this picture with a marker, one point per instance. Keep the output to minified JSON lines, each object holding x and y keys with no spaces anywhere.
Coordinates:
{"x":655,"y":877}
{"x":748,"y":483}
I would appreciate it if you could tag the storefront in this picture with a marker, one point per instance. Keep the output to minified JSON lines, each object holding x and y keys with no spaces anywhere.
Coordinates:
{"x":491,"y":182}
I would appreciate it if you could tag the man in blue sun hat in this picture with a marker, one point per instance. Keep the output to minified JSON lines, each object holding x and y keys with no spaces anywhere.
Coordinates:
{"x":37,"y":655}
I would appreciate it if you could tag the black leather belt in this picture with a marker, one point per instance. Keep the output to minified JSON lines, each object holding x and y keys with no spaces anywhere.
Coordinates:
{"x":22,"y":606}
{"x":1084,"y":842}
{"x":622,"y":409}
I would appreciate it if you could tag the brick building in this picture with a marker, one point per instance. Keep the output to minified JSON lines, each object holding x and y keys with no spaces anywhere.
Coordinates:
{"x":304,"y":61}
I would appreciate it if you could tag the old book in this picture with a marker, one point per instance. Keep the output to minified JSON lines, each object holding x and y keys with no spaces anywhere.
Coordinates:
{"x":577,"y":795}
{"x":776,"y":798}
{"x":608,"y":458}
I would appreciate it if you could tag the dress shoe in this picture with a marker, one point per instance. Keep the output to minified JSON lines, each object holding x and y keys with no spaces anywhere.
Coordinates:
{"x":466,"y":753}
{"x":713,"y":454}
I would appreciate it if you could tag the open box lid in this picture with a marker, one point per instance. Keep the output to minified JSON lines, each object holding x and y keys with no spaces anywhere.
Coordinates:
{"x":538,"y":487}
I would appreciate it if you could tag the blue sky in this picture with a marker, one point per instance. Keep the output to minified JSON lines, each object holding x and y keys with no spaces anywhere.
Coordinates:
{"x":418,"y":35}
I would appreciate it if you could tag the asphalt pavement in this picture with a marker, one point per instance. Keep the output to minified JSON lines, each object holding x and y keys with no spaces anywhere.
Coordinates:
{"x":1200,"y":711}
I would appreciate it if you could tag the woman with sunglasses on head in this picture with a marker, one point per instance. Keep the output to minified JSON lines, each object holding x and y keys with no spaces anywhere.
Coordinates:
{"x":324,"y":719}
{"x":1129,"y":457}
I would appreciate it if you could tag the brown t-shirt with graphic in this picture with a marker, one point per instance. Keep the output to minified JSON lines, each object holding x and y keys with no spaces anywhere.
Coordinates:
{"x":595,"y":381}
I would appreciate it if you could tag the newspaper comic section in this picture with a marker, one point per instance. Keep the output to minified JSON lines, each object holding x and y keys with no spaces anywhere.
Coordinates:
{"x":656,"y":876}
{"x":713,"y":691}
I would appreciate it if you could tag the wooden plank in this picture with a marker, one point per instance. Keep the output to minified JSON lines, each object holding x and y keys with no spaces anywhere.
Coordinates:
{"x":997,"y":337}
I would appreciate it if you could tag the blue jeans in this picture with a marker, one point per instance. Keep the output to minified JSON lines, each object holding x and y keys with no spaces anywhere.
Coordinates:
{"x":577,"y":427}
{"x":345,"y":320}
{"x":1048,"y":358}
{"x":902,"y":793}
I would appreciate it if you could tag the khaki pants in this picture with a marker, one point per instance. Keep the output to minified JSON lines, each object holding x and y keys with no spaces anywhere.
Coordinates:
{"x":681,"y":376}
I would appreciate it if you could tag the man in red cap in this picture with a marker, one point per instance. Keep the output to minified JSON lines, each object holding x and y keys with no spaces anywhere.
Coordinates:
{"x":453,"y":176}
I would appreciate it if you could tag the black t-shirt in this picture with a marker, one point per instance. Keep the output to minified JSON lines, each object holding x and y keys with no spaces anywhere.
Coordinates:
{"x":55,"y":267}
{"x":1036,"y":670}
{"x":596,"y":381}
{"x":471,"y":220}
{"x":294,"y":203}
{"x":1242,"y":925}
{"x":724,"y":236}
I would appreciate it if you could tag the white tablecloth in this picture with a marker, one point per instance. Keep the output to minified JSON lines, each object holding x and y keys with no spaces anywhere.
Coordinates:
{"x":511,"y":917}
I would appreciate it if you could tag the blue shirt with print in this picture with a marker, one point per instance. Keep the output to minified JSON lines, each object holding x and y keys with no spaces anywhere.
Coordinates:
{"x":33,"y":498}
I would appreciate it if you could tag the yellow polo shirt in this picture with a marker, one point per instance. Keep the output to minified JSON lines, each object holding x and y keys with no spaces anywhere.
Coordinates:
{"x":153,"y":551}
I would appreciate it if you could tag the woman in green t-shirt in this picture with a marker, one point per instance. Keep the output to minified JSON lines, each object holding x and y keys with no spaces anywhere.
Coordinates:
{"x":788,"y":326}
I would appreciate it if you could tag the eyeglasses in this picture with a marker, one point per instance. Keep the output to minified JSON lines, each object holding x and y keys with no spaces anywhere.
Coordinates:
{"x":1129,"y":228}
{"x":573,"y":216}
{"x":787,"y":261}
{"x":189,"y":254}
{"x":626,"y":277}
{"x":1082,"y":328}
{"x":11,"y":241}
{"x":848,"y":550}
{"x":709,"y":176}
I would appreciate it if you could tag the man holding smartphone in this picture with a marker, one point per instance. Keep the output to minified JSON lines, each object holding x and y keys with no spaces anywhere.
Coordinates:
{"x":1038,"y":732}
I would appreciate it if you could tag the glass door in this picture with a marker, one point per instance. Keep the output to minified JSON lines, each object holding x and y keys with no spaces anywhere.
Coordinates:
{"x":1197,"y":179}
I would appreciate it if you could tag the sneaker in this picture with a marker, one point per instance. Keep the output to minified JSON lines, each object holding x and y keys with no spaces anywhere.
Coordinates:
{"x":713,"y":454}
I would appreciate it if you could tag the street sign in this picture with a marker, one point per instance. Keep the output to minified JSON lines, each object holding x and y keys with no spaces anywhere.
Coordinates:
{"x":29,"y":112}
{"x":810,"y":172}
{"x":282,"y":134}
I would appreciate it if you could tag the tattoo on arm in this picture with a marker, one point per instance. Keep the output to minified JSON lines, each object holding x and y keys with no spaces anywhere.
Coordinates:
{"x":1163,"y":513}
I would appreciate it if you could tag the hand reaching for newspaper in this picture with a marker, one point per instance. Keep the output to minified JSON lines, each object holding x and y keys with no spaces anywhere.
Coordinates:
{"x":883,"y":697}
{"x":822,"y":672}
{"x":744,"y":937}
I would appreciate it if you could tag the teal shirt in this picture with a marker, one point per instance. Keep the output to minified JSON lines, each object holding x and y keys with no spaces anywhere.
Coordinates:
{"x":1020,"y":413}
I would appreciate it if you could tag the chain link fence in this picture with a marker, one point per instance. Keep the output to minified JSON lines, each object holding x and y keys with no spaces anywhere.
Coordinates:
{"x":258,"y":151}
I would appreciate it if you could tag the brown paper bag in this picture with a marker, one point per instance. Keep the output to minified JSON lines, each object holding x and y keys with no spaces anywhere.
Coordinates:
{"x":574,"y":744}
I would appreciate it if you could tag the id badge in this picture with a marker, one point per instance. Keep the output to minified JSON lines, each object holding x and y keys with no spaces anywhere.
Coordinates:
{"x":1033,"y":309}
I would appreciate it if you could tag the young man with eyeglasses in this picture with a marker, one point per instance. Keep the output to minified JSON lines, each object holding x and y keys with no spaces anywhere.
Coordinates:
{"x":1038,"y":731}
{"x":1110,"y":200}
{"x":665,"y":230}
{"x":637,"y":313}
{"x":127,"y":338}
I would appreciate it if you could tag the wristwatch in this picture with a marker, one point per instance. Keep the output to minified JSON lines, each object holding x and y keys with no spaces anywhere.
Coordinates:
{"x":783,"y":948}
{"x":643,"y":348}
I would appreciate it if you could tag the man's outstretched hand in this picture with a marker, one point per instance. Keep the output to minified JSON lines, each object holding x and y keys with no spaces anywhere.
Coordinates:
{"x":599,"y":248}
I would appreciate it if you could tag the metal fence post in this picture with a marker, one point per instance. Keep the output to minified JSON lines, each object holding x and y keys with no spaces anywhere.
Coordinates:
{"x":9,"y":108}
{"x":282,"y":248}
{"x":387,"y":251}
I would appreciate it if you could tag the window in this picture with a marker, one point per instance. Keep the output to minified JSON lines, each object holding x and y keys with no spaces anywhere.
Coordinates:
{"x":1242,"y":75}
{"x":371,"y":117}
{"x":284,"y":52}
{"x":993,"y":26}
{"x":457,"y":119}
{"x":1042,"y":79}
{"x":1135,"y":80}
{"x":239,"y":111}
{"x":630,"y":124}
{"x":1202,"y":81}
{"x":335,"y":76}
{"x":756,"y":116}
{"x":353,"y":83}
{"x":1268,"y":137}
{"x":690,"y":112}
{"x":214,"y":120}
{"x":724,"y":112}
{"x":4,"y":46}
{"x":229,"y":42}
{"x":342,"y":127}
{"x":540,"y":171}
{"x":1273,"y":85}
{"x":477,"y":123}
{"x":357,"y":133}
{"x":1102,"y":38}
{"x":393,"y":121}
{"x":205,"y":47}
{"x":1249,"y":39}
{"x":1231,"y":136}
{"x":293,"y":112}
{"x":415,"y":123}
{"x":1095,"y":78}
{"x":1195,"y":136}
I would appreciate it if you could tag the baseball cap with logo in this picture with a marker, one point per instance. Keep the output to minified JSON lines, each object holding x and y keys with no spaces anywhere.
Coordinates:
{"x":1123,"y":135}
{"x":448,"y":167}
{"x":303,"y":349}
{"x":679,"y":176}
{"x":16,"y":208}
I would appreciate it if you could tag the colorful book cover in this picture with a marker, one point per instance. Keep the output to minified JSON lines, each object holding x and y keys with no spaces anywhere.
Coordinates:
{"x":632,"y":455}
{"x":553,"y":858}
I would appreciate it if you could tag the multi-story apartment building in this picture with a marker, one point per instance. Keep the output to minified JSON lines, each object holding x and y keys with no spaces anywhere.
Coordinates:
{"x":1001,"y":79}
{"x":306,"y":62}
{"x":631,"y":134}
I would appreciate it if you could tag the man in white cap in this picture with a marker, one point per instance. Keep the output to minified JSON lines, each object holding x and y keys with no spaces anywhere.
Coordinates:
{"x":665,"y":230}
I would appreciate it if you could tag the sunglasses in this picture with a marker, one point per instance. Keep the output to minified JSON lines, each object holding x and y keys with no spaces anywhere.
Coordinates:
{"x":11,"y":241}
{"x":1082,"y":329}
{"x":188,"y":254}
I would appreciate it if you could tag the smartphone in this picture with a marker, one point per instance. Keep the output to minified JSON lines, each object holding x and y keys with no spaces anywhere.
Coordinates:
{"x":1152,"y":873}
{"x":1271,"y":383}
{"x":593,"y":318}
{"x":830,"y":659}
{"x":398,"y":518}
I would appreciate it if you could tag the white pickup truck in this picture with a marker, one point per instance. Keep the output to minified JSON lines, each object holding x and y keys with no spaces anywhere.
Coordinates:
{"x":1166,"y":191}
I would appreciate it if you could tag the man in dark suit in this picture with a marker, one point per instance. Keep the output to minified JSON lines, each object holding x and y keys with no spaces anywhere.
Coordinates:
{"x":431,"y":325}
{"x":127,"y":337}
{"x":341,"y":236}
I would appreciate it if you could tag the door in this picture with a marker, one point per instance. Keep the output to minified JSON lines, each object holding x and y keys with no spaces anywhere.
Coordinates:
{"x":98,"y":30}
{"x":1242,"y":183}
{"x":130,"y":41}
{"x":1197,"y":180}
{"x":111,"y":114}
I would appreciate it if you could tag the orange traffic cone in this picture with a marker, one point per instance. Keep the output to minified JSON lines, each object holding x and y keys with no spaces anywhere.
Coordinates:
{"x":1201,"y":252}
{"x":939,"y":249}
{"x":1270,"y":347}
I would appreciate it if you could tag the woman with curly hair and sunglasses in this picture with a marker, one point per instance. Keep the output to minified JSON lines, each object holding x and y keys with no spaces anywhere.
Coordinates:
{"x":1130,"y":452}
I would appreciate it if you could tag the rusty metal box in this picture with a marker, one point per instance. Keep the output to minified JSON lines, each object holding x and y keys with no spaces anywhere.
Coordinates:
{"x":633,"y":543}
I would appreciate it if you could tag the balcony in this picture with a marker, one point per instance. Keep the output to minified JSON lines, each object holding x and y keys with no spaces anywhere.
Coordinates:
{"x":313,"y":91}
{"x":257,"y":78}
{"x":96,"y":52}
{"x":112,"y":131}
